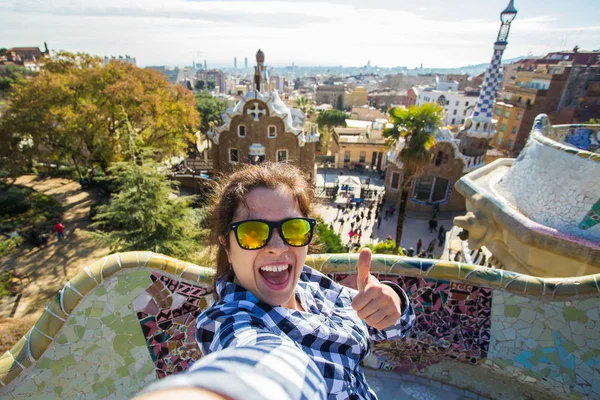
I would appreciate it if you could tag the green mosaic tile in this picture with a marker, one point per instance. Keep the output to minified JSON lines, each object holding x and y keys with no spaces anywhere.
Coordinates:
{"x":43,"y":363}
{"x":553,"y":357}
{"x":570,"y":373}
{"x":100,"y":291}
{"x":512,"y":311}
{"x":61,"y":339}
{"x":96,"y":312}
{"x":144,"y":371}
{"x":40,"y":388}
{"x":58,"y":390}
{"x":539,"y":310}
{"x":570,"y":346}
{"x":575,"y":314}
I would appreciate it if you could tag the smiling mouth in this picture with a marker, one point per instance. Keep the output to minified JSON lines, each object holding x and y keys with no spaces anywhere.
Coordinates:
{"x":276,"y":277}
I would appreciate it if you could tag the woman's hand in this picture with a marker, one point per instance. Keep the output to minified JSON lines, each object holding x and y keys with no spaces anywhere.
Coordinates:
{"x":376,"y":304}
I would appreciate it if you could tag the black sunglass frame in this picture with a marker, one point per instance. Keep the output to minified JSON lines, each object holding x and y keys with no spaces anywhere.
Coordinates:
{"x":272,"y":225}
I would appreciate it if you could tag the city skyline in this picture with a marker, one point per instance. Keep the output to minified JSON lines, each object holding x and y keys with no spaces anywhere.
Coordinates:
{"x":389,"y":34}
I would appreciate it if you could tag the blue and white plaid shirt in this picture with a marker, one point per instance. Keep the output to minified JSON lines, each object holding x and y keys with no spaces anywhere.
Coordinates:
{"x":256,"y":351}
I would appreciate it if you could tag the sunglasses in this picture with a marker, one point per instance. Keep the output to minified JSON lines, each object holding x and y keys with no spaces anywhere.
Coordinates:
{"x":254,"y":234}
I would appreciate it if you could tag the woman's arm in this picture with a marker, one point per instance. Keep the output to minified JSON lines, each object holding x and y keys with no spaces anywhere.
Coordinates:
{"x":404,"y":323}
{"x":257,"y":364}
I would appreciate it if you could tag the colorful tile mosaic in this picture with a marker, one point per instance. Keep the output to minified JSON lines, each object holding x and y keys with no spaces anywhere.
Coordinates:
{"x":167,"y":312}
{"x":128,"y":319}
{"x":452,"y":322}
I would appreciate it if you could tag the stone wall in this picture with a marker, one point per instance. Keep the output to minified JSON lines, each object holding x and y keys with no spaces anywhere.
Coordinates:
{"x":129,"y":319}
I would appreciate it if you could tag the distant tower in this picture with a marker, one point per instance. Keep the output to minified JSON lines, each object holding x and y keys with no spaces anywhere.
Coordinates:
{"x":246,"y":62}
{"x":234,"y":62}
{"x":205,"y":68}
{"x":259,"y":70}
{"x":481,"y":124}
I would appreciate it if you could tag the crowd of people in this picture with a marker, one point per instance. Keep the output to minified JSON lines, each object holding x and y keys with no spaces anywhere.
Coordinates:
{"x":361,"y":219}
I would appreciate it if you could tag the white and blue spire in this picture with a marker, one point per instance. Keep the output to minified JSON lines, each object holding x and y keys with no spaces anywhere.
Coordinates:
{"x":481,"y":123}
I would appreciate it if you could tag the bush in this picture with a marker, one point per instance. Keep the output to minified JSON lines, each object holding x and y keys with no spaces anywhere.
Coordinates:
{"x":15,"y":200}
{"x":6,"y":284}
{"x":9,"y":246}
{"x":387,"y":247}
{"x":326,"y":240}
{"x":37,"y":210}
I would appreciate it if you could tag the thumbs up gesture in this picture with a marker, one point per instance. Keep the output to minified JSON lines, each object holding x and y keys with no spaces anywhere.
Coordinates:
{"x":376,"y":304}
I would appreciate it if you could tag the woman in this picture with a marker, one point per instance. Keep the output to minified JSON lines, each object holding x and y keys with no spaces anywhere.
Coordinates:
{"x":280,"y":329}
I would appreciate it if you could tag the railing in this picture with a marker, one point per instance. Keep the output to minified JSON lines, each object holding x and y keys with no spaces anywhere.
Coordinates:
{"x":472,"y":163}
{"x":132,"y":315}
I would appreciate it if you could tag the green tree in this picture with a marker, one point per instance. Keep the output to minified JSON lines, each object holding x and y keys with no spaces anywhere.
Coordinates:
{"x":327,"y":241}
{"x":211,"y":85}
{"x":72,"y":111}
{"x":416,"y":126}
{"x":326,"y":120}
{"x":210,"y":109}
{"x":12,"y":74}
{"x":199,"y":85}
{"x":387,"y":247}
{"x":305,"y":105}
{"x":340,"y":103}
{"x":145,"y":213}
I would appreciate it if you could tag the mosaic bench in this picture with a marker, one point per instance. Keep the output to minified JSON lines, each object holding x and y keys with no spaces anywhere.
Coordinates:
{"x":128,"y":320}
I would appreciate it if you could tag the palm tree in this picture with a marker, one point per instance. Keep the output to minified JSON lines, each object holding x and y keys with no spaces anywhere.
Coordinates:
{"x":417,"y":125}
{"x":305,"y":105}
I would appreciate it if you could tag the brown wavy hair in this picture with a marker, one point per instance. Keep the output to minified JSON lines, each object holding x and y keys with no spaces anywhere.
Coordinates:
{"x":231,"y":192}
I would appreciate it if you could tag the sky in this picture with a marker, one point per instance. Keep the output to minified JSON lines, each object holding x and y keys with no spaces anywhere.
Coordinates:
{"x":389,"y":33}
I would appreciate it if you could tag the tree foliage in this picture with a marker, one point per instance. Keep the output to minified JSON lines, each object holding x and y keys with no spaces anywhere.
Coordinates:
{"x":326,"y":120}
{"x":416,"y":126}
{"x":340,"y":103}
{"x":327,"y":241}
{"x":210,"y":109}
{"x":72,"y":111}
{"x":305,"y":105}
{"x":145,"y":213}
{"x":12,"y":74}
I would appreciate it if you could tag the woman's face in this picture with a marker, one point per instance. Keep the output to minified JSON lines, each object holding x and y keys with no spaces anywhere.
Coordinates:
{"x":273,"y":287}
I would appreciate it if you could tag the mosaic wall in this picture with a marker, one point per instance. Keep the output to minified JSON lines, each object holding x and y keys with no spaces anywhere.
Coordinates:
{"x":557,"y":344}
{"x":452,"y":322}
{"x":128,"y":320}
{"x":167,"y":312}
{"x":564,"y":191}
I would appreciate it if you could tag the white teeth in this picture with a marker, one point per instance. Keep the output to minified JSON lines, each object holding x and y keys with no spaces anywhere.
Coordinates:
{"x":274,"y":268}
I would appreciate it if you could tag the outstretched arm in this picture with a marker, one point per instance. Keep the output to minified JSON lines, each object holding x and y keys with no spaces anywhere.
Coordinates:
{"x":257,"y":364}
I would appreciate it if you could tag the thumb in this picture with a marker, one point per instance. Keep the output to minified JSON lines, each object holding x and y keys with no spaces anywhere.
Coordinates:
{"x":363,"y":269}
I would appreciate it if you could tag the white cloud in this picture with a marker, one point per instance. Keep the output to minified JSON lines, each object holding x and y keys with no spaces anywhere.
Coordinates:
{"x":307,"y":32}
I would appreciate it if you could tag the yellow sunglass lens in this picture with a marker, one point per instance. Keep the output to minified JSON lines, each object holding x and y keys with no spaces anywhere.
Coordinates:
{"x":253,"y":234}
{"x":296,"y":232}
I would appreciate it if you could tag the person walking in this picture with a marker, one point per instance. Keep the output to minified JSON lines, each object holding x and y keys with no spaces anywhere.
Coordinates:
{"x":431,"y":225}
{"x":419,"y":245}
{"x":435,"y":225}
{"x":379,"y":221}
{"x":60,"y":230}
{"x":431,"y":246}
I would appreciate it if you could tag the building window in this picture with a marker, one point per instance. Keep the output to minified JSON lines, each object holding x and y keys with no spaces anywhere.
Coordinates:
{"x":506,"y":114}
{"x":363,"y":157}
{"x":241,"y":131}
{"x":282,"y":156}
{"x":395,"y":180}
{"x":234,"y":156}
{"x":272,"y":131}
{"x":503,"y":128}
{"x":431,"y":189}
{"x":453,"y":121}
{"x":439,"y":158}
{"x":498,"y":111}
{"x":462,"y":121}
{"x":457,"y":103}
{"x":510,"y":143}
{"x":455,"y":111}
{"x":518,"y":116}
{"x":447,"y":102}
{"x":514,"y":130}
{"x":499,"y":141}
{"x":347,"y":156}
{"x":466,"y":103}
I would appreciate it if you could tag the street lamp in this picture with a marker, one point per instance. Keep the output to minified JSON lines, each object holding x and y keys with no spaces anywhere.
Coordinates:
{"x":507,"y":16}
